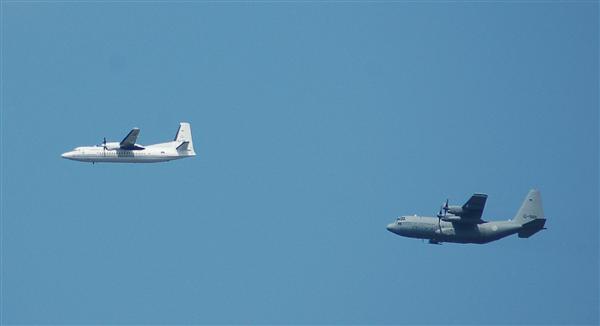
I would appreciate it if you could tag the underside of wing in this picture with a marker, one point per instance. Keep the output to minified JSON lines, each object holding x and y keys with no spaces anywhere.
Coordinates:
{"x":129,"y":141}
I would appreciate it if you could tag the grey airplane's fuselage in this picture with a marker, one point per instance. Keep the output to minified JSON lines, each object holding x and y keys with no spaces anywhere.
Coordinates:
{"x":435,"y":230}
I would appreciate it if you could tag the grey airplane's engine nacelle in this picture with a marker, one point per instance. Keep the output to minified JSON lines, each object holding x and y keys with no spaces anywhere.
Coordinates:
{"x":455,"y":210}
{"x":451,"y":218}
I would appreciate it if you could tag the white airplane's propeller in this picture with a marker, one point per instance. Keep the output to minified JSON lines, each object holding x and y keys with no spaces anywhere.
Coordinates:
{"x":104,"y":146}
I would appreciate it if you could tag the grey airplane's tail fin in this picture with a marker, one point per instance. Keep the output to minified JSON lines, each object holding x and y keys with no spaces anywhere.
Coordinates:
{"x":530,"y":215}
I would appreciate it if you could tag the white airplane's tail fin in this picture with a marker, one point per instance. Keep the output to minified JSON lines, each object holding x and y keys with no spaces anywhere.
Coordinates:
{"x":184,"y":137}
{"x":531,"y":215}
{"x":184,"y":133}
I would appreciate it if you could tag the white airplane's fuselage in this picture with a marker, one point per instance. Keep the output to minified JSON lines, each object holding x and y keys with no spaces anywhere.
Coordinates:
{"x":148,"y":154}
{"x":128,"y":151}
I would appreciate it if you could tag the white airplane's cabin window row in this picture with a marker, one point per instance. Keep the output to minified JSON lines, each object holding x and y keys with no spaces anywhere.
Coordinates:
{"x":128,"y":153}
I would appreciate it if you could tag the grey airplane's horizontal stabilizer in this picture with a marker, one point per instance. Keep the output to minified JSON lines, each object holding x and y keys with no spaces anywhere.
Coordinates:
{"x":532,"y":227}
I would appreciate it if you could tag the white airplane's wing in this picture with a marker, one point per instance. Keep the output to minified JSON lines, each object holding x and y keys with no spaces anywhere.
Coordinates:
{"x":129,"y":141}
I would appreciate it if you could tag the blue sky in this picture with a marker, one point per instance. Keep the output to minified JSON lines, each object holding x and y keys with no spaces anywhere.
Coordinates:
{"x":315,"y":124}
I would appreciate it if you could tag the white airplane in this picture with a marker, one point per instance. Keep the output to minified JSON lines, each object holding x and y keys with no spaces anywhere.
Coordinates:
{"x":128,"y":151}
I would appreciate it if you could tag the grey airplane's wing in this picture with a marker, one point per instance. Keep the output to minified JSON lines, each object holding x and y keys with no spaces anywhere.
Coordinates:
{"x":473,"y":208}
{"x":469,"y":213}
{"x":129,"y":141}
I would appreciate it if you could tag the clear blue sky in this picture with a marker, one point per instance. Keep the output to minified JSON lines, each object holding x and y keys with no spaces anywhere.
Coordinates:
{"x":315,"y":124}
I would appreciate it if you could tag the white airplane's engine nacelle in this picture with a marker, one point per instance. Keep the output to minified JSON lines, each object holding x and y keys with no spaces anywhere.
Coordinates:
{"x":112,"y":145}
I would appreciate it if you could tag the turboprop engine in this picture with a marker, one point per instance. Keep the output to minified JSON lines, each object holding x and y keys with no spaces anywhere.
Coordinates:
{"x":452,"y":209}
{"x":451,"y":218}
{"x":451,"y":213}
{"x":455,"y":210}
{"x":110,"y":145}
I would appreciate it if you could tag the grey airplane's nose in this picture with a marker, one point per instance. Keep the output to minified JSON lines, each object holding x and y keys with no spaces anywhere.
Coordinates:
{"x":390,"y":227}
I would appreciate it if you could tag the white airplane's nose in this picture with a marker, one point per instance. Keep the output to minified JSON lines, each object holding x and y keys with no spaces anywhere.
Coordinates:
{"x":66,"y":155}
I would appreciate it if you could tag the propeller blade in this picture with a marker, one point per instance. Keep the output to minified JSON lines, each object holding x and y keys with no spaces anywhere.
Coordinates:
{"x":446,"y":207}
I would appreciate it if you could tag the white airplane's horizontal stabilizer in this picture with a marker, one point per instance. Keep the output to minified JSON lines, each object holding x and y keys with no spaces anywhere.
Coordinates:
{"x":184,"y":147}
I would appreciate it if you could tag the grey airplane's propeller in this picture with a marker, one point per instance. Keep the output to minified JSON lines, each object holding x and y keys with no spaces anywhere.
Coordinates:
{"x":446,"y":207}
{"x":443,"y":208}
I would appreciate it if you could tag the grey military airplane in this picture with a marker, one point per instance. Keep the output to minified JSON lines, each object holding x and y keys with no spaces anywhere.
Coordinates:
{"x":463,"y":224}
